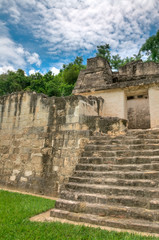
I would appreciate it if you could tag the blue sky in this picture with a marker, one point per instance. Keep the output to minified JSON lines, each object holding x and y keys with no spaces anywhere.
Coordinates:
{"x":42,"y":35}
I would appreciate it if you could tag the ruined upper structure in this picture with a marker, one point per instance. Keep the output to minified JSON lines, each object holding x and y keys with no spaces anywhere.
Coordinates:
{"x":132,"y":93}
{"x":99,"y":76}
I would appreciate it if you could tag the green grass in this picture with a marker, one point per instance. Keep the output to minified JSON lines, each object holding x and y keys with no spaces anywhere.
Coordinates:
{"x":16,"y":209}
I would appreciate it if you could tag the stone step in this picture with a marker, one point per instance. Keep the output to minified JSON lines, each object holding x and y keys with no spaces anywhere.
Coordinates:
{"x":111,"y":199}
{"x":146,"y":132}
{"x":154,"y":204}
{"x":132,"y":224}
{"x":130,"y":201}
{"x":149,"y":130}
{"x":124,"y":141}
{"x":113,"y":190}
{"x":117,"y":174}
{"x":107,"y":137}
{"x":116,"y":182}
{"x":113,"y":167}
{"x":107,"y":210}
{"x":104,"y":147}
{"x":123,"y":153}
{"x":148,"y":136}
{"x":127,"y":136}
{"x":119,"y":160}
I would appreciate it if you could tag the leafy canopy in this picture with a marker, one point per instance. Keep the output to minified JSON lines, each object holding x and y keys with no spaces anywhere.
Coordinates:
{"x":49,"y":84}
{"x":115,"y":60}
{"x":151,"y":48}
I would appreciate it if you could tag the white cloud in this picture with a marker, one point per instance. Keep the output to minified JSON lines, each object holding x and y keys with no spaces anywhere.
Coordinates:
{"x":13,"y":54}
{"x":80,"y":25}
{"x":5,"y":69}
{"x":33,"y":58}
{"x":32,"y":71}
{"x":54,"y":70}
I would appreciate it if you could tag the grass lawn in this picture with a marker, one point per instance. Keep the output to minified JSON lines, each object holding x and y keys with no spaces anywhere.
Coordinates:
{"x":16,"y":209}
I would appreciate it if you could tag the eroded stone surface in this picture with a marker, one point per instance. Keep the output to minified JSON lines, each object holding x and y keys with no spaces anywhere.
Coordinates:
{"x":42,"y":138}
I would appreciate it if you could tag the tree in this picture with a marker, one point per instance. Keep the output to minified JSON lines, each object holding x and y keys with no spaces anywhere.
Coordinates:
{"x":151,"y":48}
{"x":115,"y":60}
{"x":12,"y":81}
{"x":60,"y":85}
{"x":53,"y":84}
{"x":72,"y":70}
{"x":104,"y":51}
{"x":71,"y":73}
{"x":37,"y":83}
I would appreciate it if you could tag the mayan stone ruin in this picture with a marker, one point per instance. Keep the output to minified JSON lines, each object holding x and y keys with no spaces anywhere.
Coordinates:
{"x":98,"y":150}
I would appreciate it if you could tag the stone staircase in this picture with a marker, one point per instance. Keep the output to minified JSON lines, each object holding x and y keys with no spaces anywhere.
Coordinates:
{"x":116,"y":183}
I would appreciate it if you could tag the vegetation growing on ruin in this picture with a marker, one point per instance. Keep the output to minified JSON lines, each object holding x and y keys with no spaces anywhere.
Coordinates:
{"x":16,"y":209}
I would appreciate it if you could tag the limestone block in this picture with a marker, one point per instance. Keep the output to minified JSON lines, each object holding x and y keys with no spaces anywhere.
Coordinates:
{"x":36,"y":162}
{"x":28,"y":173}
{"x":16,"y":171}
{"x":8,"y":164}
{"x":25,"y":150}
{"x":55,"y":168}
{"x":24,"y":157}
{"x":38,"y":143}
{"x":13,"y":178}
{"x":23,"y":179}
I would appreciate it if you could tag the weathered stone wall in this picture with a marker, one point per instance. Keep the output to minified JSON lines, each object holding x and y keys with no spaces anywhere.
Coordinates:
{"x":41,"y":138}
{"x":97,"y":75}
{"x":114,"y":104}
{"x":139,"y":68}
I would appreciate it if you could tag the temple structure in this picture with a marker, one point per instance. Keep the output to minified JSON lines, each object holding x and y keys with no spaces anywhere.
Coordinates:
{"x":132,"y":93}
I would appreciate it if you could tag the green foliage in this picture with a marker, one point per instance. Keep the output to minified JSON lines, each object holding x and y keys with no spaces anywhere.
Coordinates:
{"x":59,"y":85}
{"x":151,"y":48}
{"x":16,"y":209}
{"x":72,"y":70}
{"x":114,"y":60}
{"x":70,"y":74}
{"x":104,"y":51}
{"x":126,"y":60}
{"x":12,"y":82}
{"x":37,"y":83}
